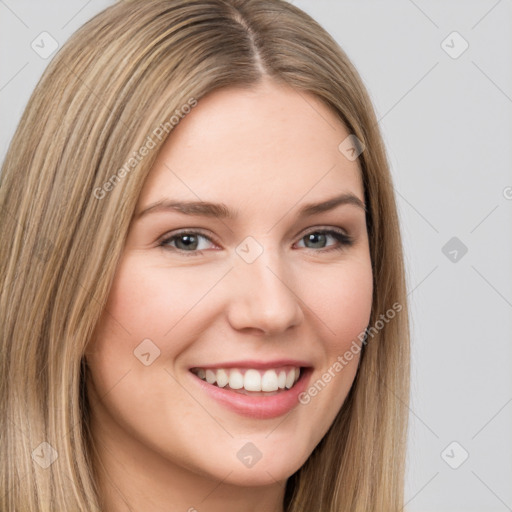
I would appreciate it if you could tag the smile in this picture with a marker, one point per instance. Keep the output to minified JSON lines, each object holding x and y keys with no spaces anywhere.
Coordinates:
{"x":250,"y":379}
{"x":266,"y":392}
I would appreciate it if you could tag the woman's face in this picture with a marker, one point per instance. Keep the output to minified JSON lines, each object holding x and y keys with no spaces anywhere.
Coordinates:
{"x":246,"y":298}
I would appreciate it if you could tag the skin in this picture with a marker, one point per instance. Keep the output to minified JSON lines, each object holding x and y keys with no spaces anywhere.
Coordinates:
{"x":167,"y":446}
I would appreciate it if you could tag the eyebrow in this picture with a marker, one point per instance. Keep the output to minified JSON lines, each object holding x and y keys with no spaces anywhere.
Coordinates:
{"x":220,"y":210}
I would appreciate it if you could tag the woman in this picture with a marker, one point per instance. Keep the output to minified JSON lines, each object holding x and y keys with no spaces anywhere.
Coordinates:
{"x":203,"y":302}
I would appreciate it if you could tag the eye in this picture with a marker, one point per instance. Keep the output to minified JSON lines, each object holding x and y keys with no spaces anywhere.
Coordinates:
{"x":319,"y":237}
{"x":189,"y":242}
{"x":186,"y":242}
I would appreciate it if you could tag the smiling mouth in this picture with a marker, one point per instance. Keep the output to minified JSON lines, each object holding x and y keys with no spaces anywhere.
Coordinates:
{"x":250,"y":381}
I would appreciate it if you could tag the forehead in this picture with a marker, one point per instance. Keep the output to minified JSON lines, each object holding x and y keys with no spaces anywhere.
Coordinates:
{"x":266,"y":143}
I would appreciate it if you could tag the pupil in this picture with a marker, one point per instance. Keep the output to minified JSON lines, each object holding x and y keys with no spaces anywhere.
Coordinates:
{"x":317,"y":236}
{"x":190,"y":241}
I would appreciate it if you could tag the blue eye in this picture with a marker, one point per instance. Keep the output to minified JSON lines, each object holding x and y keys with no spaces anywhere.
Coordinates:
{"x":321,"y":236}
{"x":188,"y":242}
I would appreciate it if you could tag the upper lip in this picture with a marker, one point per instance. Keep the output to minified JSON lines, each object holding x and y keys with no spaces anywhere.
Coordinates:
{"x":257,"y":364}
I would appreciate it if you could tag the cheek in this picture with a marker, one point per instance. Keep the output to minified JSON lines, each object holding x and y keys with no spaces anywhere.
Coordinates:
{"x":342,"y":303}
{"x":149,"y":302}
{"x":341,"y":306}
{"x":138,"y":309}
{"x":146,"y":302}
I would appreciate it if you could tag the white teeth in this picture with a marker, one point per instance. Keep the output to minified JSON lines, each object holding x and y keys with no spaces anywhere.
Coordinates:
{"x":236,"y":379}
{"x":281,"y":380}
{"x":210,"y":376}
{"x":222,"y":378}
{"x":251,"y":379}
{"x":290,"y":379}
{"x":269,"y":381}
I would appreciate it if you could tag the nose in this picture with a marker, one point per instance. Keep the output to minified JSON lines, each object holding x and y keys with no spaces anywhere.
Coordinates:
{"x":262,"y":298}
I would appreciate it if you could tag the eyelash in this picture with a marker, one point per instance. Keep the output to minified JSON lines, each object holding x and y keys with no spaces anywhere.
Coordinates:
{"x":343,"y":239}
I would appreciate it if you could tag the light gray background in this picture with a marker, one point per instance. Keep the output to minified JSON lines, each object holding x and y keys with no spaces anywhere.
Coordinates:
{"x":447,"y":125}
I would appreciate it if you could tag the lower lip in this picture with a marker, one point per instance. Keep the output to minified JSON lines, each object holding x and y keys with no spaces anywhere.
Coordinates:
{"x":258,"y":406}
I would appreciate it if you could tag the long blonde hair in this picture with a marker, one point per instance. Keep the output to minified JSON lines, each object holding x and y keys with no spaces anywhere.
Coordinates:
{"x":118,"y":80}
